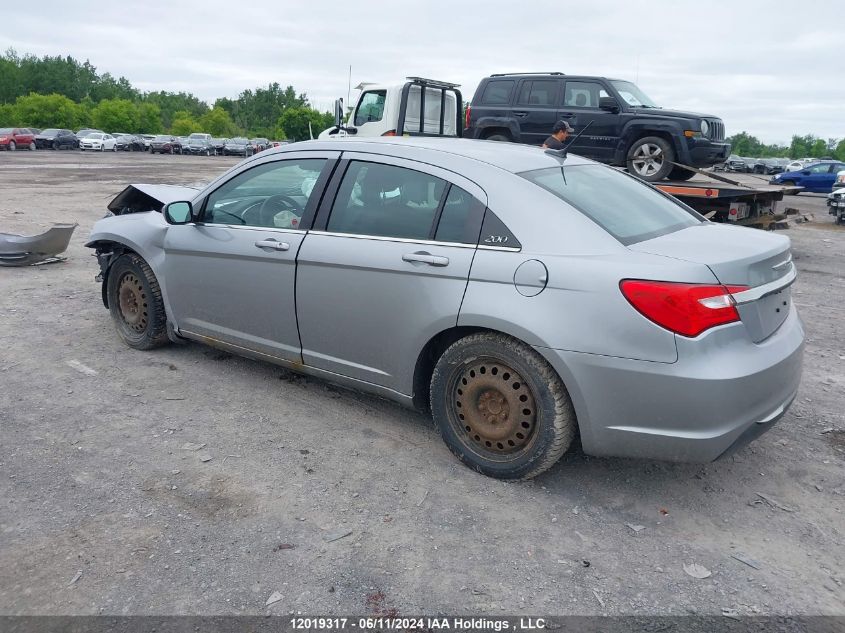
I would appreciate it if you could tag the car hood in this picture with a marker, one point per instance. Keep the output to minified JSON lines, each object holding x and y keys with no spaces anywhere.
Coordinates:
{"x":679,"y":114}
{"x":736,"y":255}
{"x":143,"y":197}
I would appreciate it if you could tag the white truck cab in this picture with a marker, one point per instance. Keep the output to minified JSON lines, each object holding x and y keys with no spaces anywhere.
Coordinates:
{"x":417,"y":107}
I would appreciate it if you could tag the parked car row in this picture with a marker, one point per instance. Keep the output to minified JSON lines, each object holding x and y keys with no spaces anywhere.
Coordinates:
{"x":199,"y":144}
{"x":754,"y":165}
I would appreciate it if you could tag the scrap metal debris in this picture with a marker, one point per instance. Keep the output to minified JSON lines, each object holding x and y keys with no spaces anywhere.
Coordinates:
{"x":742,"y":558}
{"x":191,"y":446}
{"x":274,"y":597}
{"x":80,"y":367}
{"x":697,"y":571}
{"x":774,"y":503}
{"x":28,"y":250}
{"x":75,"y":578}
{"x":336,"y":536}
{"x":636,"y":528}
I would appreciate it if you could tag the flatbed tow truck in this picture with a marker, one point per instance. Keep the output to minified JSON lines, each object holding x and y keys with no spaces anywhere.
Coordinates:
{"x":428,"y":107}
{"x":723,"y":199}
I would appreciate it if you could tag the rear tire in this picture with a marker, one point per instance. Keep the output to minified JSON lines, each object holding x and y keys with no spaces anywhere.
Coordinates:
{"x":499,"y":137}
{"x":12,"y":146}
{"x":789,"y":183}
{"x":32,"y":146}
{"x":649,"y":158}
{"x":500,"y":407}
{"x":679,"y":173}
{"x":135,"y":303}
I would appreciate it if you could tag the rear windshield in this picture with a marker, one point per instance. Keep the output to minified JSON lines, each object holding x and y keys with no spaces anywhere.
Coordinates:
{"x":627,"y":208}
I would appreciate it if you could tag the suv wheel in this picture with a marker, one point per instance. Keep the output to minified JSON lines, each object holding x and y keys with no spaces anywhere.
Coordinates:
{"x":500,"y":407}
{"x":498,"y":137}
{"x":650,"y":158}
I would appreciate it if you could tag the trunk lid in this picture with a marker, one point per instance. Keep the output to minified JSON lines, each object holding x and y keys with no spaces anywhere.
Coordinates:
{"x":737,"y":256}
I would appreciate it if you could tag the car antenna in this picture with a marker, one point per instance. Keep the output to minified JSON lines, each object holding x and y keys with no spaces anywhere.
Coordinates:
{"x":561,"y":153}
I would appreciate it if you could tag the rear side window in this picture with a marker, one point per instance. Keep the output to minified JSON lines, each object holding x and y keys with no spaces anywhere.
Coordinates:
{"x":388,"y":201}
{"x":628,"y":209}
{"x":455,"y":223}
{"x":538,"y":93}
{"x":498,"y":92}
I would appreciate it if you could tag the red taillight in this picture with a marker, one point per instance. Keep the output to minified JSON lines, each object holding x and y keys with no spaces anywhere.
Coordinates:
{"x":468,"y":116}
{"x":686,"y":309}
{"x":390,"y":133}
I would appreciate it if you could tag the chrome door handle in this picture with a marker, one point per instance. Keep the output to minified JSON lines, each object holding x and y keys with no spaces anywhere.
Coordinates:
{"x":425,"y":258}
{"x":274,"y":244}
{"x":520,"y":113}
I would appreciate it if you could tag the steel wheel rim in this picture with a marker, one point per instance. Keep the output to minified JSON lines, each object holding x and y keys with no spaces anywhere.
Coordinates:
{"x":132,"y":303}
{"x":494,"y":409}
{"x":647,"y":159}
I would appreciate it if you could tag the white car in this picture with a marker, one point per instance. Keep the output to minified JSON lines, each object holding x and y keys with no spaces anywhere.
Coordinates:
{"x":839,"y":183}
{"x":99,"y":142}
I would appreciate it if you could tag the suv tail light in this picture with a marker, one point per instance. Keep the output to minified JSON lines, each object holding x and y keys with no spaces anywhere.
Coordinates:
{"x":686,"y":309}
{"x":468,"y":116}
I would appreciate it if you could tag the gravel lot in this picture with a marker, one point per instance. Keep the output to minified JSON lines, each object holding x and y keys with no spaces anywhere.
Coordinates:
{"x":103,"y":511}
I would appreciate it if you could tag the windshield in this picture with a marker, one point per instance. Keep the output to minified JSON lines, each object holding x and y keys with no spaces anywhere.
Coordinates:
{"x":628,"y":209}
{"x":238,"y":141}
{"x":50,"y":132}
{"x":6,"y":130}
{"x":632,"y":95}
{"x":161,"y":138}
{"x":94,"y":135}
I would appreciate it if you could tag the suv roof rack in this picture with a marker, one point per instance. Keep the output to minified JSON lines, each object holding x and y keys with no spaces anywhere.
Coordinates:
{"x":555,"y":72}
{"x":433,"y":82}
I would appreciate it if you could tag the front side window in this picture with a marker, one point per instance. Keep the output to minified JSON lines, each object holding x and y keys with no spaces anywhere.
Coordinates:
{"x":371,"y":107}
{"x":383,"y":200}
{"x":273,"y":195}
{"x":628,"y":209}
{"x":583,"y":94}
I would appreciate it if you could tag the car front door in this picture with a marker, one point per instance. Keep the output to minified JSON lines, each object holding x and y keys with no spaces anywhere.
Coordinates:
{"x":385,"y":267}
{"x":580,"y":107}
{"x":535,"y":109}
{"x":230,"y":275}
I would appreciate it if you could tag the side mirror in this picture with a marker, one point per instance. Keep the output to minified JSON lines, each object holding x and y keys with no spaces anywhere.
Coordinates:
{"x":609,"y":104}
{"x":806,"y":173}
{"x":178,"y":212}
{"x":351,"y":130}
{"x":338,"y":112}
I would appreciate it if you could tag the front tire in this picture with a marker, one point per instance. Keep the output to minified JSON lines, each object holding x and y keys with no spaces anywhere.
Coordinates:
{"x":789,"y":183}
{"x":32,"y":146}
{"x":12,"y":146}
{"x":500,"y":407}
{"x":135,"y":303}
{"x":650,"y":158}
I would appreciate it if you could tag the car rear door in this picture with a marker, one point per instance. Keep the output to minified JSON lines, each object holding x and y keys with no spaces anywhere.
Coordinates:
{"x":229,"y":277}
{"x":385,"y":267}
{"x":535,"y":109}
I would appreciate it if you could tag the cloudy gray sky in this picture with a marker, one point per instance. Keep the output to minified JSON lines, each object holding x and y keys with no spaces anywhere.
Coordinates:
{"x":769,"y":67}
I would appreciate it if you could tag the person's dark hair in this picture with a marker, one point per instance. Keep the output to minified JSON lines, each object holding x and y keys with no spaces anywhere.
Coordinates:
{"x":562,"y":126}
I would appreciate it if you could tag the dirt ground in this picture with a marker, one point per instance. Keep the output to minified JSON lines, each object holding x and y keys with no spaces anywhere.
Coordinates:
{"x":347,"y":504}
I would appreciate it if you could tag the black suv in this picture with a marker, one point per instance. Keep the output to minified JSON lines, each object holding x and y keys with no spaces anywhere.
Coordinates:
{"x":627,"y":127}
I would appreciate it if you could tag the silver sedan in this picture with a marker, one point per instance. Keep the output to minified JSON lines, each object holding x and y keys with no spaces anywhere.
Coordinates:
{"x":521,"y":296}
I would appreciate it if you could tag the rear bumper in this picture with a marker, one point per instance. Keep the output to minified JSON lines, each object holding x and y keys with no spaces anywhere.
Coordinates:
{"x":703,"y":153}
{"x":722,"y":392}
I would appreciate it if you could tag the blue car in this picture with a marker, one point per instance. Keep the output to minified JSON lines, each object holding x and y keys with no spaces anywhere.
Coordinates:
{"x":818,"y":177}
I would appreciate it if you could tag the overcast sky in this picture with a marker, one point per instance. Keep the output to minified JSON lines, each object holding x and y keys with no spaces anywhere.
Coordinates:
{"x":771,"y":68}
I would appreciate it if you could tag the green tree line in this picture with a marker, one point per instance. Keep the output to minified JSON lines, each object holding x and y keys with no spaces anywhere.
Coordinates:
{"x":808,"y":146}
{"x":61,"y":92}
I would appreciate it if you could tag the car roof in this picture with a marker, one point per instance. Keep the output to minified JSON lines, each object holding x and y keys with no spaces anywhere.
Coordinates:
{"x":548,"y":76}
{"x":511,"y":157}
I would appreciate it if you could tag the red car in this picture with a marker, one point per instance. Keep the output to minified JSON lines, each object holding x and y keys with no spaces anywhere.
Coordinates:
{"x":12,"y":138}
